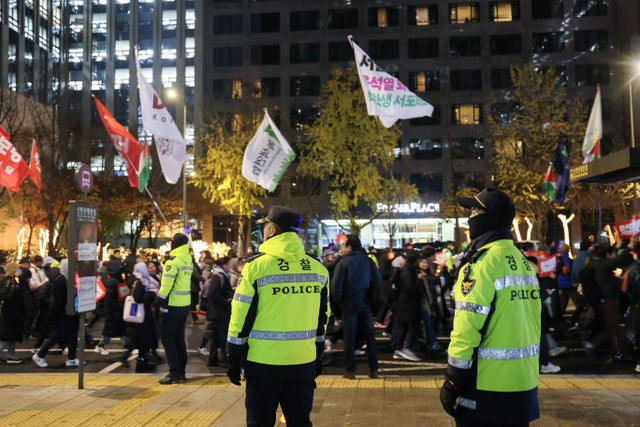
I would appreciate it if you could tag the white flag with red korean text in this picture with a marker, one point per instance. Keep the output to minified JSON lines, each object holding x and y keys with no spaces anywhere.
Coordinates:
{"x":267,"y":156}
{"x":170,"y":143}
{"x":386,"y":96}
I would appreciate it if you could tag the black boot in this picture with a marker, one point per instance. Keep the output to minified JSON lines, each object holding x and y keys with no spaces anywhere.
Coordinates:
{"x":143,"y":366}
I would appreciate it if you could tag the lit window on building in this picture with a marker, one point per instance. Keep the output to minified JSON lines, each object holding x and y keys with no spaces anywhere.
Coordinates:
{"x":463,"y":13}
{"x":502,"y":12}
{"x":422,"y":16}
{"x":423,"y":81}
{"x":467,"y":114}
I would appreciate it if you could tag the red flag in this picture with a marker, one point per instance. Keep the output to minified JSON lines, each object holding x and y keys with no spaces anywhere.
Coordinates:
{"x":127,"y":146}
{"x":13,"y":168}
{"x":35,"y":171}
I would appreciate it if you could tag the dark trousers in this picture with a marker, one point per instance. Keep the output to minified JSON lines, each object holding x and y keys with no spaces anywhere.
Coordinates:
{"x":64,"y":331}
{"x":219,"y":331}
{"x":359,"y":320}
{"x":609,"y":310}
{"x":195,"y":296}
{"x":172,"y":335}
{"x":263,"y":396}
{"x":404,"y":332}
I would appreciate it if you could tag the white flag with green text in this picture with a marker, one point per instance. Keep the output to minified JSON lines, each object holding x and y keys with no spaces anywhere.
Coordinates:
{"x":385,"y":95}
{"x":267,"y":156}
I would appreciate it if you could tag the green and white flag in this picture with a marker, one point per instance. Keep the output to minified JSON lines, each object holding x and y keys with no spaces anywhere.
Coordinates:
{"x":143,"y":169}
{"x":385,"y":95}
{"x":267,"y":156}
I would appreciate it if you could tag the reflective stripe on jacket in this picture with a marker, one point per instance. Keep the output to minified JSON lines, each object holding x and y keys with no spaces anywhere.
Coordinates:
{"x":280,"y":307}
{"x":497,"y":320}
{"x":176,"y":278}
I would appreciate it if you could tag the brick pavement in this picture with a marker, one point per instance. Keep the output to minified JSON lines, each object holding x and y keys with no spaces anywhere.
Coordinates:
{"x":52,"y":399}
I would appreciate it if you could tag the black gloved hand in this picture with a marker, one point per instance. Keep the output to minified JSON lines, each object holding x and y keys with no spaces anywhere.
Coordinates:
{"x":161,"y":305}
{"x":449,"y":393}
{"x":319,"y":351}
{"x":236,"y":354}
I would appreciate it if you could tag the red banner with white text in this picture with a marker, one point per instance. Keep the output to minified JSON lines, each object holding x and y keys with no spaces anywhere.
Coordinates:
{"x":13,"y":168}
{"x":628,"y":229}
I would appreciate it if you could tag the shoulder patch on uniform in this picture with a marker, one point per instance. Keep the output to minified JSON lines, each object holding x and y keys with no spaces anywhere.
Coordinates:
{"x":467,"y":286}
{"x":168,"y":267}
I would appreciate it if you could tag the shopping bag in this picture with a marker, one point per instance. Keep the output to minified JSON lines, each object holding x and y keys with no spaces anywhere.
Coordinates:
{"x":123,"y":291}
{"x":133,"y":312}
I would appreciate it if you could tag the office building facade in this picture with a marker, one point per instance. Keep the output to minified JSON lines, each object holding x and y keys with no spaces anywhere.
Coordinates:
{"x":454,"y":54}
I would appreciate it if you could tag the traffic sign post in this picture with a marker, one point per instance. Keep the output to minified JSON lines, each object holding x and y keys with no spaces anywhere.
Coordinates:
{"x":83,"y":253}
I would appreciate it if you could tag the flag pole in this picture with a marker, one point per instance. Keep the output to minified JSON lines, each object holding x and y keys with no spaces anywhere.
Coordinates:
{"x":184,"y":165}
{"x":155,"y":204}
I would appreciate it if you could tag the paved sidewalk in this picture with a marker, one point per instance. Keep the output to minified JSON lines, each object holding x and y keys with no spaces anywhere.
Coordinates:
{"x":138,"y":400}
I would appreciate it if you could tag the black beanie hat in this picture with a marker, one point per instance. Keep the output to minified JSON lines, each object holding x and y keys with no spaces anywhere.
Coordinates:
{"x":178,"y":240}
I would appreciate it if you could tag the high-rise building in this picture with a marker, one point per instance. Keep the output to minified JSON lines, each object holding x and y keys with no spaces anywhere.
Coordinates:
{"x":62,"y":52}
{"x":454,"y":54}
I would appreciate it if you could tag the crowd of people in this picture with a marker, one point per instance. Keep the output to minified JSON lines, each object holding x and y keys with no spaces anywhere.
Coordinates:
{"x":406,"y":293}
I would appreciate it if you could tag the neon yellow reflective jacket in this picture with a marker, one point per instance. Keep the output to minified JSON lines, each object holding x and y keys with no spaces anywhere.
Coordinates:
{"x":176,"y":278}
{"x":281,"y":304}
{"x":498,"y":314}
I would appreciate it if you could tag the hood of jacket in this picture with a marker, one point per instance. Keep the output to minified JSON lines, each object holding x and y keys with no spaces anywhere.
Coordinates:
{"x":285,"y":245}
{"x":181,"y":252}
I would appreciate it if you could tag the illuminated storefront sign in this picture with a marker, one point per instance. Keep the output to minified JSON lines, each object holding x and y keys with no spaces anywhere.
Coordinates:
{"x":408,"y":207}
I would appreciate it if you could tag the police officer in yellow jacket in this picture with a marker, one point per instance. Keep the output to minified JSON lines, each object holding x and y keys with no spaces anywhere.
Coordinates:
{"x":173,"y":301}
{"x":492,"y":375}
{"x":278,"y":318}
